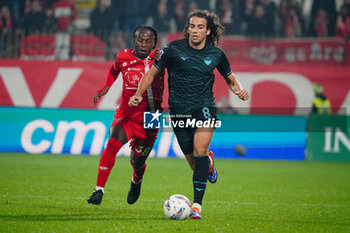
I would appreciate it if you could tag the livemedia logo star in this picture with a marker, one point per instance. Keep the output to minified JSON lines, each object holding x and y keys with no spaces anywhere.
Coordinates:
{"x":151,"y":120}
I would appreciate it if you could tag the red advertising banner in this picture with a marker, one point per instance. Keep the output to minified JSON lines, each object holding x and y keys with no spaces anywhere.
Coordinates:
{"x":73,"y":84}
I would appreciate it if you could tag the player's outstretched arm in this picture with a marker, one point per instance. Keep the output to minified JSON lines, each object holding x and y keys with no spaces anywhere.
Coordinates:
{"x":98,"y":95}
{"x":111,"y":77}
{"x":236,"y":87}
{"x":144,"y":83}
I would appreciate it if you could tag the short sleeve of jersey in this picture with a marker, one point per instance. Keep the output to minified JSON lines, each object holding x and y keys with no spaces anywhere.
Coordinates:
{"x":165,"y":59}
{"x":224,"y":65}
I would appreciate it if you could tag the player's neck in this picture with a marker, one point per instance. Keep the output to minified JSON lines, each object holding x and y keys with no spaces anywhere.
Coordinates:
{"x":197,"y":46}
{"x":138,"y":57}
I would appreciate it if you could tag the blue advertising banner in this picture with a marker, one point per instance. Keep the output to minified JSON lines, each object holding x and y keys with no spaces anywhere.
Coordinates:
{"x":74,"y":131}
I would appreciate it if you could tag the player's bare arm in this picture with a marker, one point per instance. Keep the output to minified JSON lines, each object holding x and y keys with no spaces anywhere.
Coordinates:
{"x":236,"y":87}
{"x":97,"y":95}
{"x":144,"y":83}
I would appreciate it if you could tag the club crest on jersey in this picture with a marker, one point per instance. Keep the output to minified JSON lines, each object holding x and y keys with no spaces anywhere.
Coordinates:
{"x":207,"y":61}
{"x":134,"y":79}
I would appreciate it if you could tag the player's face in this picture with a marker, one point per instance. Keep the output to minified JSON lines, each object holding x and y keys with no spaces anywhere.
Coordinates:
{"x":198,"y":31}
{"x":144,"y":43}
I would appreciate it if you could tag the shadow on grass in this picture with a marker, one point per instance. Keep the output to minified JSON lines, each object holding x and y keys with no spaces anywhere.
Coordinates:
{"x":72,"y":217}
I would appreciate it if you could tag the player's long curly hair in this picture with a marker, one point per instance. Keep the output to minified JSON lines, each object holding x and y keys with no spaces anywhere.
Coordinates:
{"x":213,"y":23}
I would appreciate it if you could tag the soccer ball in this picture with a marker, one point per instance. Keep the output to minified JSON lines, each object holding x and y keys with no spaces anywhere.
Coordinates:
{"x":177,"y":207}
{"x":241,"y":150}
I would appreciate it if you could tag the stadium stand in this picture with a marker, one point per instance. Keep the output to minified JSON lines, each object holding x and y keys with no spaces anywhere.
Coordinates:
{"x":73,"y":33}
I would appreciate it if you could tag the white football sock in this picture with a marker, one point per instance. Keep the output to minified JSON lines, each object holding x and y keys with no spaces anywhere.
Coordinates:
{"x":100,"y":188}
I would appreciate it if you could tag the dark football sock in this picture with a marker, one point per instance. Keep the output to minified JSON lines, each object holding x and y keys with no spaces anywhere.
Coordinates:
{"x":200,"y":176}
{"x":138,"y":172}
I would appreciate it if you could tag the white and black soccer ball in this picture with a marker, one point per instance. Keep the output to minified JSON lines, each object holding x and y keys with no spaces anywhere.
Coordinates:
{"x":177,"y":207}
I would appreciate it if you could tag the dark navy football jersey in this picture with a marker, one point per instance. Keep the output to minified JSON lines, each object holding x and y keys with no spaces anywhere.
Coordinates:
{"x":191,"y":74}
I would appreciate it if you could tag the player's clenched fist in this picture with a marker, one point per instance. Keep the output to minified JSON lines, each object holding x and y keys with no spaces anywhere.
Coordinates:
{"x":242,"y":94}
{"x":134,"y":101}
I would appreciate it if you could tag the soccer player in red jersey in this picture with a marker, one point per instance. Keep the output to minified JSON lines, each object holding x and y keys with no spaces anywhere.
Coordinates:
{"x":128,"y":121}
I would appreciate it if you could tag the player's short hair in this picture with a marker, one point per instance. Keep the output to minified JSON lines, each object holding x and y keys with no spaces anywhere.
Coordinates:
{"x":213,"y":23}
{"x":149,"y":28}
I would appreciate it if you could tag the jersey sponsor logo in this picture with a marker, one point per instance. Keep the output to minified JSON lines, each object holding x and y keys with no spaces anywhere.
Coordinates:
{"x":207,"y":61}
{"x":136,"y":69}
{"x":184,"y":58}
{"x":151,"y":120}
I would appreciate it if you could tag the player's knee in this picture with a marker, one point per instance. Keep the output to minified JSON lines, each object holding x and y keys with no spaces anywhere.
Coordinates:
{"x":200,"y":151}
{"x":117,"y":132}
{"x":114,"y":143}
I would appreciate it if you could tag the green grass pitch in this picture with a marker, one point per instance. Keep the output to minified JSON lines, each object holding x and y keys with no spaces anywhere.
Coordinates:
{"x":47,"y":193}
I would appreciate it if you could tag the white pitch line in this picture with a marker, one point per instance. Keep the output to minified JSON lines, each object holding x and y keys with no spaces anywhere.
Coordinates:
{"x":159,"y":201}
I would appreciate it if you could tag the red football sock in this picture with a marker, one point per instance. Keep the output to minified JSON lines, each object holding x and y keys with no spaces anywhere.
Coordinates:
{"x":138,"y":173}
{"x":107,"y":161}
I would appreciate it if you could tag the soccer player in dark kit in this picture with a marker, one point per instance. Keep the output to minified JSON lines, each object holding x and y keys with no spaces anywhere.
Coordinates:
{"x":128,"y":122}
{"x":190,"y":63}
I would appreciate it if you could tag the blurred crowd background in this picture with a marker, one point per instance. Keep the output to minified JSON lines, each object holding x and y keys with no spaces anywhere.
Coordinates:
{"x":112,"y":21}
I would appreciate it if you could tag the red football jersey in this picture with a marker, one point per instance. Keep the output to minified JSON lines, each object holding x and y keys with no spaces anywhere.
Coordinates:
{"x":133,"y":69}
